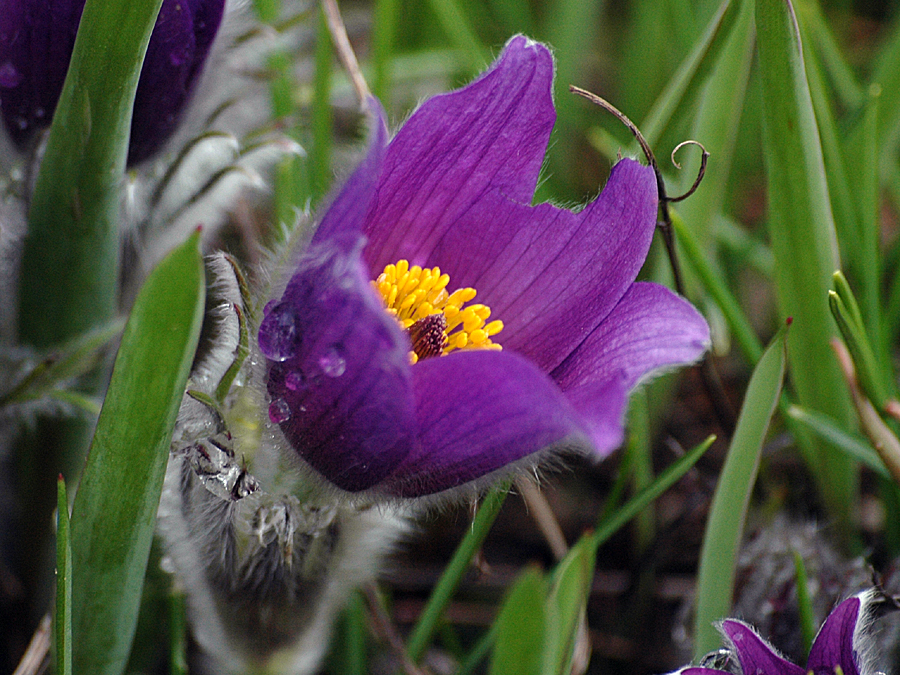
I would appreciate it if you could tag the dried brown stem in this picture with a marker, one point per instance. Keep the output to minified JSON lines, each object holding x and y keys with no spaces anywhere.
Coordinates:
{"x":345,"y":51}
{"x":36,"y":655}
{"x":384,"y":627}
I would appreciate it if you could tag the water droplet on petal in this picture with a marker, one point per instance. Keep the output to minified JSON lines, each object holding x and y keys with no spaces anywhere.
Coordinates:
{"x":332,"y":363}
{"x":279,"y":411}
{"x":9,"y":76}
{"x":279,"y":336}
{"x":295,"y":381}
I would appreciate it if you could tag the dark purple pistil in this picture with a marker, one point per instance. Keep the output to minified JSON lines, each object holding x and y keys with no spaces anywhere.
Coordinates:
{"x":428,"y":336}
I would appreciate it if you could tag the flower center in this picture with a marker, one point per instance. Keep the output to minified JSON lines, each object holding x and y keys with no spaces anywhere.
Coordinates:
{"x":436,"y":321}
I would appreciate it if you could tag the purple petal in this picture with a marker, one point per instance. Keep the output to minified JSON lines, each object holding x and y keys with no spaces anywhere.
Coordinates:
{"x":834,"y":645}
{"x":488,"y":136}
{"x":601,"y":405}
{"x":339,"y":376}
{"x":754,"y":654}
{"x":650,"y":328}
{"x":552,"y":275}
{"x":477,"y":412}
{"x":181,"y":41}
{"x":36,"y":40}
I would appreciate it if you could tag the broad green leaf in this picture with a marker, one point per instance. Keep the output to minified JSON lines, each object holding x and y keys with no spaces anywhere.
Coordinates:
{"x":521,"y":628}
{"x":566,"y":603}
{"x":715,"y":578}
{"x":115,"y":508}
{"x":63,"y":614}
{"x":70,"y":261}
{"x":802,"y":231}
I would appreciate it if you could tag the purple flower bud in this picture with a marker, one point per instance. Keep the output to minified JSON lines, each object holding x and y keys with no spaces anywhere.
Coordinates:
{"x":36,"y":41}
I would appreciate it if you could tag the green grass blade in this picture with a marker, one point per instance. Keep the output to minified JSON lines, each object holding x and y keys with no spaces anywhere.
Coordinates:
{"x":716,"y":287}
{"x":861,"y":151}
{"x":70,"y":261}
{"x":566,"y":603}
{"x":840,"y":74}
{"x":424,"y":629}
{"x":572,"y":31}
{"x":521,"y":628}
{"x":887,"y":74}
{"x":319,"y":158}
{"x":63,"y":616}
{"x":686,"y":83}
{"x":715,"y":578}
{"x":716,"y":125}
{"x":383,"y":37}
{"x":803,"y":237}
{"x":852,"y":444}
{"x":178,"y":630}
{"x":836,"y":166}
{"x":611,"y":524}
{"x":804,"y":603}
{"x":115,"y":507}
{"x":77,"y":357}
{"x":458,"y":28}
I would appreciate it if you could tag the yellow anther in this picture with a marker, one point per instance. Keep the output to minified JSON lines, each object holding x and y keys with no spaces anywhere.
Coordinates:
{"x":493,"y":327}
{"x":411,"y":294}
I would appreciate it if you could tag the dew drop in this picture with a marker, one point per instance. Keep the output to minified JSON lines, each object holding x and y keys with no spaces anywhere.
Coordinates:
{"x":279,"y":411}
{"x":295,"y":381}
{"x":10,"y":76}
{"x":332,"y":363}
{"x":177,"y":58}
{"x":279,"y":336}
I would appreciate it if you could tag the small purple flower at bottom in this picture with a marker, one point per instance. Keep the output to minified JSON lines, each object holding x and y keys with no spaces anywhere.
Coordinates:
{"x":842,"y":646}
{"x":386,"y":375}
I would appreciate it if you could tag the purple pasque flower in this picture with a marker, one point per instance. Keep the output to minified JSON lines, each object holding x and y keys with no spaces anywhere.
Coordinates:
{"x":843,"y":643}
{"x":447,"y":202}
{"x":36,"y":41}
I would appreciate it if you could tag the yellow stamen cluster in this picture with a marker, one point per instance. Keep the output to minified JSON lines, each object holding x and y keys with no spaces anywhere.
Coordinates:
{"x":411,"y":293}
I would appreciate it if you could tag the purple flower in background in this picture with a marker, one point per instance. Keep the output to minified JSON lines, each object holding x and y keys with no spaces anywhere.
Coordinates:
{"x":383,"y":377}
{"x":842,"y":643}
{"x":36,"y":41}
